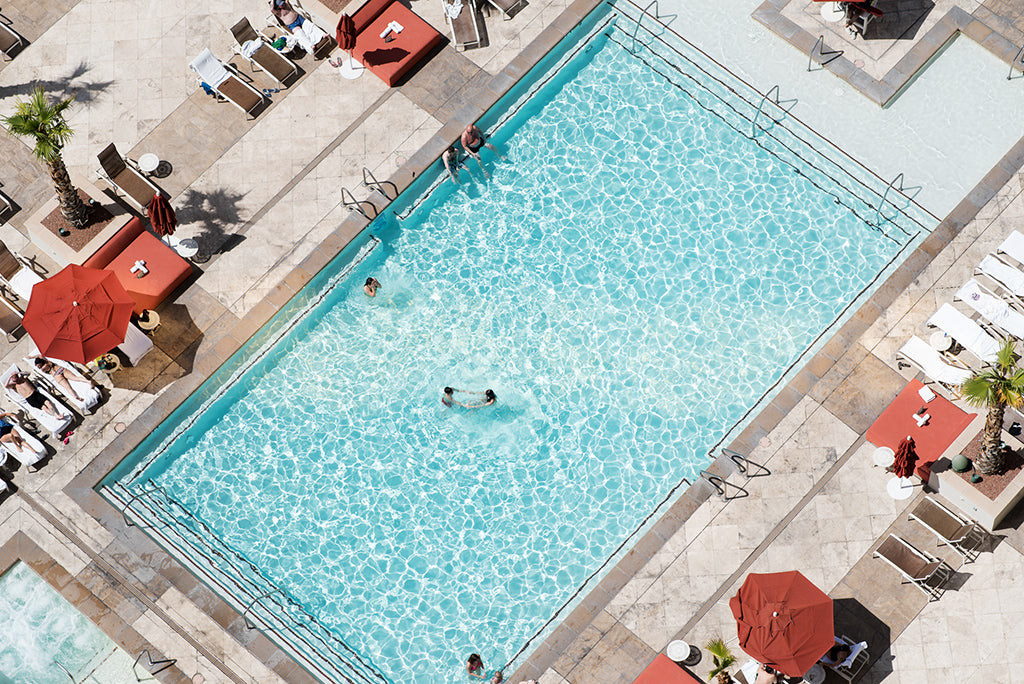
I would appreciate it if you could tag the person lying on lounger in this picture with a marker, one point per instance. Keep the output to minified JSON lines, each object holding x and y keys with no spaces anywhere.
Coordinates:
{"x":61,"y":375}
{"x":8,"y":433}
{"x":20,"y":383}
{"x":307,"y":34}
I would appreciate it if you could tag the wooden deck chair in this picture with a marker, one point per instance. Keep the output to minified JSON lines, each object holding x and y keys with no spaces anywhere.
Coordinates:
{"x":125,"y":176}
{"x":265,"y":57}
{"x":927,"y":573}
{"x":464,"y":26}
{"x":10,"y":319}
{"x":18,"y":276}
{"x":10,"y":41}
{"x":962,"y":535}
{"x":226,"y":82}
{"x":508,"y":8}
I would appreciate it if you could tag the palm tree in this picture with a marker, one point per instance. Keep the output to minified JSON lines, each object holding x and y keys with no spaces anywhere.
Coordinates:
{"x":38,"y":119}
{"x":996,"y":387}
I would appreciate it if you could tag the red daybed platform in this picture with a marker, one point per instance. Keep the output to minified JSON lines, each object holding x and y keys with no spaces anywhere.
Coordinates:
{"x":391,"y":61}
{"x":664,"y":671}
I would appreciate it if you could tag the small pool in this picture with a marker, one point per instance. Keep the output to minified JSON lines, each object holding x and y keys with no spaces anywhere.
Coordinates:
{"x":636,"y":277}
{"x":43,"y":633}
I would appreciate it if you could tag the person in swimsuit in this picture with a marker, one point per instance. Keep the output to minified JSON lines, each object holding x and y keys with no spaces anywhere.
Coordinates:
{"x":448,"y":398}
{"x":452,"y":163}
{"x":20,"y":383}
{"x":837,"y":654}
{"x":61,"y":375}
{"x":8,"y":433}
{"x":371,"y":286}
{"x":472,"y":140}
{"x":489,"y":399}
{"x":475,"y":666}
{"x":286,"y":14}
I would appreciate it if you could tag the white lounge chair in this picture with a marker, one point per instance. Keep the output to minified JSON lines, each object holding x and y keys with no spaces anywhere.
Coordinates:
{"x":20,"y":277}
{"x":966,"y":332}
{"x":992,"y":308}
{"x":227,"y":83}
{"x":1014,"y":246}
{"x":90,"y":395}
{"x":1009,"y":278}
{"x":28,"y":455}
{"x":51,"y":424}
{"x":934,"y":365}
{"x":136,"y":344}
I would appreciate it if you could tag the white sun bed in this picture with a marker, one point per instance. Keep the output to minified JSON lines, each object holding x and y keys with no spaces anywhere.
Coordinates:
{"x":934,"y":365}
{"x":992,"y":308}
{"x":51,"y":424}
{"x":1008,"y":277}
{"x":1014,"y":246}
{"x":89,"y":393}
{"x":28,"y":455}
{"x":966,"y":332}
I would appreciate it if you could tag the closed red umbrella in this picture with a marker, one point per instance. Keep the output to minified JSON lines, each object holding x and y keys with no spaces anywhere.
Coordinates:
{"x":161,"y":215}
{"x":78,"y":314}
{"x":346,"y":34}
{"x":905,"y":459}
{"x":783,"y":620}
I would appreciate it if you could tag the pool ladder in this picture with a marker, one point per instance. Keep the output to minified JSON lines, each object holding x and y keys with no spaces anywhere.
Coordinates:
{"x":745,"y":466}
{"x":349,"y":200}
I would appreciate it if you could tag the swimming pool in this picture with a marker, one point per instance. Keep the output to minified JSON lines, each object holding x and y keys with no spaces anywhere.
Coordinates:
{"x":45,"y":637}
{"x":646,"y":267}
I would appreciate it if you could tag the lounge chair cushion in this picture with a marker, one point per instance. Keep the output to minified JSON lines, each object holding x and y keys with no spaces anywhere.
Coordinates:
{"x":391,"y":61}
{"x":117,"y":243}
{"x":167,"y":270}
{"x":906,"y":560}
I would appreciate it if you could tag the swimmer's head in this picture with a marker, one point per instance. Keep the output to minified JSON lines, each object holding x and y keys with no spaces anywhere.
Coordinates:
{"x":370,"y":282}
{"x":490,"y":394}
{"x":448,"y":390}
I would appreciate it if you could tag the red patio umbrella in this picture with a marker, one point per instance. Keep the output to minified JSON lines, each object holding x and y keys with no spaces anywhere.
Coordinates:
{"x":78,"y":314}
{"x":346,"y":32}
{"x":161,"y":215}
{"x":783,"y":620}
{"x":905,"y":459}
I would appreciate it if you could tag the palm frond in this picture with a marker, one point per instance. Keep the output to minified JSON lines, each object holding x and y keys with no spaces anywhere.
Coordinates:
{"x":43,"y":122}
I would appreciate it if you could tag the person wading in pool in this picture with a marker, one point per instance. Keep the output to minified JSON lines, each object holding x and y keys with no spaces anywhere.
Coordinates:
{"x":371,"y":286}
{"x":489,"y":399}
{"x":448,"y":399}
{"x":475,"y":666}
{"x":472,"y":140}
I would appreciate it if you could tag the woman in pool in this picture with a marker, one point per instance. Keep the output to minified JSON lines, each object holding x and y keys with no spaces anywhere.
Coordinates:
{"x":475,"y":666}
{"x":489,"y":399}
{"x":371,"y":286}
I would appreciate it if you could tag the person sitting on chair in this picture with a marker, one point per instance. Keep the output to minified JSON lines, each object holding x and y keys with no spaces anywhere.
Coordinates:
{"x":20,"y":383}
{"x":8,"y":433}
{"x":839,"y":652}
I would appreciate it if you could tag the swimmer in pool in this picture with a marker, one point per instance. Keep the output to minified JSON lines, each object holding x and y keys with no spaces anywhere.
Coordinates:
{"x":371,"y":286}
{"x":489,"y":399}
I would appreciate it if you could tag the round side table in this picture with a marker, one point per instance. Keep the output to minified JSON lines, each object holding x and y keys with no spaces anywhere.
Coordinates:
{"x":940,"y":341}
{"x":832,"y":12}
{"x":148,"y":162}
{"x":816,"y":675}
{"x":883,"y":457}
{"x":900,"y":488}
{"x":682,"y":652}
{"x":148,"y":321}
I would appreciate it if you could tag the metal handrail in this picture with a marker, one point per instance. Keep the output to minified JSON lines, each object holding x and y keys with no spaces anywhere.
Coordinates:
{"x":903,"y":191}
{"x":141,"y":492}
{"x":1019,"y":59}
{"x":356,"y":205}
{"x":245,"y":616}
{"x":767,"y":97}
{"x":376,"y":184}
{"x":655,"y":16}
{"x":164,"y":664}
{"x":819,"y":46}
{"x":721,"y":484}
{"x":743,"y":464}
{"x":66,"y":671}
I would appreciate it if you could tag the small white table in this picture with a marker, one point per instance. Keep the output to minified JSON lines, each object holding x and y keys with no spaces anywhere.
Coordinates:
{"x":940,"y":341}
{"x":148,"y":162}
{"x":883,"y":457}
{"x":678,"y":650}
{"x":816,"y":675}
{"x":185,"y":247}
{"x":832,"y":12}
{"x":900,"y":488}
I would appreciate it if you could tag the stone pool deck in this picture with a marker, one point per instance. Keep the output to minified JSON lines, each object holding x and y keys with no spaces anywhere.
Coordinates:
{"x":236,"y":183}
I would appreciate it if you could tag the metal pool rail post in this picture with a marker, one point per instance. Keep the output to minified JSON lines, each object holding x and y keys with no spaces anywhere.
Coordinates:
{"x":355,"y":205}
{"x":164,"y":663}
{"x":1018,"y":62}
{"x":743,"y":464}
{"x":245,"y":617}
{"x":819,"y":47}
{"x":370,"y":181}
{"x":754,"y":128}
{"x":66,"y":671}
{"x":656,"y":16}
{"x":721,"y":486}
{"x":902,"y":190}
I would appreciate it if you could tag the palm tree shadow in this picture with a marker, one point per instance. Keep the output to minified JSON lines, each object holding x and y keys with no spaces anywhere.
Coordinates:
{"x":216,"y":218}
{"x":83,"y":91}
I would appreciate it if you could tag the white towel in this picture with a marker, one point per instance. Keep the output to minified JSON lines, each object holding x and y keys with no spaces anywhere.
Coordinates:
{"x":308,"y":35}
{"x":250,"y":47}
{"x":992,"y":308}
{"x":1007,"y":276}
{"x":454,"y":9}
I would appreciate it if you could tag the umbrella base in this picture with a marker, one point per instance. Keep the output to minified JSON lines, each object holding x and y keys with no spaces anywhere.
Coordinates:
{"x":350,"y":68}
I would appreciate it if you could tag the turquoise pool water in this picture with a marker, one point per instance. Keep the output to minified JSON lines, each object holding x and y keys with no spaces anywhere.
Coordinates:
{"x":629,"y":282}
{"x":41,"y":629}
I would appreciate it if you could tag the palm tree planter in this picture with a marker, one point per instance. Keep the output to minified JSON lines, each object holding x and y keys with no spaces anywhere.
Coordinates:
{"x":996,"y":387}
{"x":43,"y":122}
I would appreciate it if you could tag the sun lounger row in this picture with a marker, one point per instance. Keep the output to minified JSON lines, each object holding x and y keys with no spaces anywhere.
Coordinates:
{"x":42,"y":406}
{"x":927,"y":573}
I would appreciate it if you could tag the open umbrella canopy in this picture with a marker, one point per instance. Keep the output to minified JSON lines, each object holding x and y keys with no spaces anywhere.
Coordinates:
{"x":78,"y":314}
{"x":906,"y":458}
{"x":346,"y":32}
{"x":161,"y":215}
{"x":783,"y":620}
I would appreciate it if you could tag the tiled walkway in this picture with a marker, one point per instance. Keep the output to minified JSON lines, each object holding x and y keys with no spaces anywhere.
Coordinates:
{"x":262,"y":197}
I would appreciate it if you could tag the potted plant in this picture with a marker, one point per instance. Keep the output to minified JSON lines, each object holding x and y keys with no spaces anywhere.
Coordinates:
{"x":995,"y":387}
{"x":43,"y":122}
{"x":723,"y":660}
